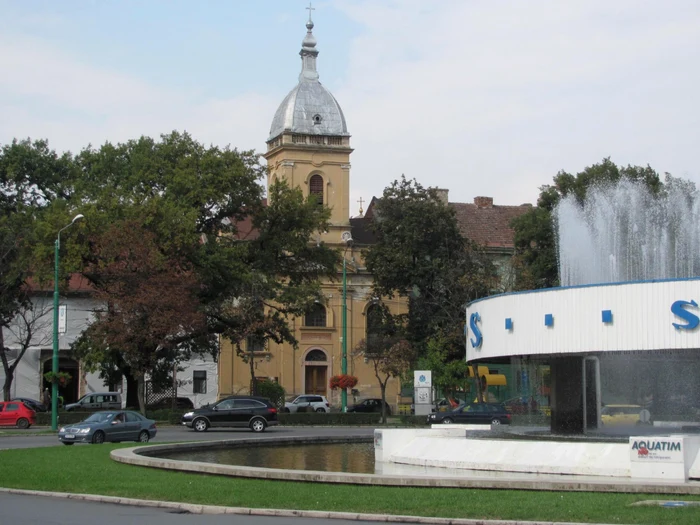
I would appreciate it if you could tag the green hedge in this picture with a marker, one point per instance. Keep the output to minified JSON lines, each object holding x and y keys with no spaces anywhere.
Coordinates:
{"x":64,"y":418}
{"x":330,"y":418}
{"x":414,"y":421}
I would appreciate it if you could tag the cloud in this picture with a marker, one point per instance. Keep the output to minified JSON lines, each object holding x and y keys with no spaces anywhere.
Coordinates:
{"x":493,"y":98}
{"x":480,"y":97}
{"x":47,"y":93}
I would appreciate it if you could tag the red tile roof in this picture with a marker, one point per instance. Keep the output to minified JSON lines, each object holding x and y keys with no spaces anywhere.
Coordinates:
{"x":488,"y":224}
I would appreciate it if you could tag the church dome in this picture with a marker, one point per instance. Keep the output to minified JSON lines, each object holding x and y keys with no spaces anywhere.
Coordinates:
{"x":309,"y":108}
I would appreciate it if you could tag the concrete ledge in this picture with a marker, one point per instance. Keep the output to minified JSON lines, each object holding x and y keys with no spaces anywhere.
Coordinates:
{"x":500,"y":480}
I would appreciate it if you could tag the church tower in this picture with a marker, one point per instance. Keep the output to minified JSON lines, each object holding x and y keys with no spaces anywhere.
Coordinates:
{"x":309,"y":143}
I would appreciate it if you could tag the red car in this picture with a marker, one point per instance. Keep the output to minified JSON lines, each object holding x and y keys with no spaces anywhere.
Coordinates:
{"x":16,"y":414}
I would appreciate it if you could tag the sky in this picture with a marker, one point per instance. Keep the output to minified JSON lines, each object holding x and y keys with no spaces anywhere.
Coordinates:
{"x":482,"y":97}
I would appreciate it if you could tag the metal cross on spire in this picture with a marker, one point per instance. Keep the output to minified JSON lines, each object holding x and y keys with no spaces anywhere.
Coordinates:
{"x":310,"y":9}
{"x":361,"y":201}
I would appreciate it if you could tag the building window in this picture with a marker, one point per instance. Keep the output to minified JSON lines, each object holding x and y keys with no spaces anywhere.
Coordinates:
{"x":316,"y":316}
{"x":255,"y":344}
{"x":374,"y":324}
{"x":316,"y":188}
{"x":199,"y":382}
{"x":316,"y":355}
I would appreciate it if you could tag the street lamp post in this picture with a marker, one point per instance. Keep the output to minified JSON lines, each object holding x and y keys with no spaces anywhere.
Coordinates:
{"x":344,"y":345}
{"x":347,"y":238}
{"x":54,"y":362}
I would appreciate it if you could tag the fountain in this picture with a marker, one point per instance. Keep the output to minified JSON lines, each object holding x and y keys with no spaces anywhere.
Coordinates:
{"x":624,"y":234}
{"x":621,"y":330}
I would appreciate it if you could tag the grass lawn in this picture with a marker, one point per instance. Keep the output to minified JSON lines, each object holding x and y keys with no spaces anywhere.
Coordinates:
{"x":88,"y":469}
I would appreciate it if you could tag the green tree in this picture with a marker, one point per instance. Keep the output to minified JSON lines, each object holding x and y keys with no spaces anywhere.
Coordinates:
{"x":201,"y":209}
{"x":388,"y":352}
{"x":33,"y":180}
{"x":420,"y":254}
{"x":535,"y":236}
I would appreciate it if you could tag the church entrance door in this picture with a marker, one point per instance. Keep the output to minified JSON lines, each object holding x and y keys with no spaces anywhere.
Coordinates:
{"x":316,"y":380}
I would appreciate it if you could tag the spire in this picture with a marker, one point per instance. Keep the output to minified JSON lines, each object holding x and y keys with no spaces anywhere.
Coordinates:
{"x":308,"y":52}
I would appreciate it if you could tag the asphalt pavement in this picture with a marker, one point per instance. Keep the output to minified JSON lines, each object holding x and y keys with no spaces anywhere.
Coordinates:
{"x":33,"y":510}
{"x":14,"y":438}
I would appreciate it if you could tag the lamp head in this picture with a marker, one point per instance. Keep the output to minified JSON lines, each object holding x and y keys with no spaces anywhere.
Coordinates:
{"x":77,"y":218}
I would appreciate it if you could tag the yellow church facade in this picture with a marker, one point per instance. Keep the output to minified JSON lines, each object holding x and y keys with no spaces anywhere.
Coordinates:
{"x":309,"y":147}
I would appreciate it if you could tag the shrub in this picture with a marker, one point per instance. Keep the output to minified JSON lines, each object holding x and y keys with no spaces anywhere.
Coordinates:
{"x":330,"y":418}
{"x":273,"y":391}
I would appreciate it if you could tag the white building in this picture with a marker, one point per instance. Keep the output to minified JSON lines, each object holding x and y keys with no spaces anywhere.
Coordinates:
{"x":198,"y":380}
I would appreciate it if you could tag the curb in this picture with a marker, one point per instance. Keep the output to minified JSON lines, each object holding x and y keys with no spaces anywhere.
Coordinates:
{"x":194,"y":508}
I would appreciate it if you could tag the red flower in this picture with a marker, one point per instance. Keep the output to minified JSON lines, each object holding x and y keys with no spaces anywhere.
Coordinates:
{"x":342,"y":381}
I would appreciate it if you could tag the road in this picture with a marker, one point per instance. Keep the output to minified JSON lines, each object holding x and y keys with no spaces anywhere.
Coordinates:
{"x":21,"y":439}
{"x":32,"y":510}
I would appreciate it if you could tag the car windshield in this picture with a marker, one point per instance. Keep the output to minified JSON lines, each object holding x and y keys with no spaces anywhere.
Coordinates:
{"x":100,"y":417}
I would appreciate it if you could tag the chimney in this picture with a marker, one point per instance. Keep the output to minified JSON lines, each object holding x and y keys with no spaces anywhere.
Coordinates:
{"x":442,"y":195}
{"x":483,"y":202}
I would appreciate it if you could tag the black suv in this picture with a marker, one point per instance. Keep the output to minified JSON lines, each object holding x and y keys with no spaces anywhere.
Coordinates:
{"x":256,"y":413}
{"x":484,"y":413}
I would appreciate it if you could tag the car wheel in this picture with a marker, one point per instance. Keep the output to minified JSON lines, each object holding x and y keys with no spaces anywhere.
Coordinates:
{"x":200,"y":425}
{"x":258,"y":425}
{"x":67,"y":443}
{"x":320,"y":410}
{"x":495,"y":421}
{"x":98,"y":437}
{"x":285,"y":410}
{"x":447,"y":421}
{"x":23,"y":423}
{"x":144,"y":437}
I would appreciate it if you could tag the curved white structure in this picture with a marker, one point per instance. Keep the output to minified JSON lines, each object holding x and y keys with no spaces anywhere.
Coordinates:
{"x":626,"y":317}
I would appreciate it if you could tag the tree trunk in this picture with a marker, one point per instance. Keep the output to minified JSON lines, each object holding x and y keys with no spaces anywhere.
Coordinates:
{"x":7,"y":386}
{"x":9,"y":373}
{"x":132,"y":397}
{"x":141,"y":393}
{"x":382,"y":386}
{"x":253,"y":382}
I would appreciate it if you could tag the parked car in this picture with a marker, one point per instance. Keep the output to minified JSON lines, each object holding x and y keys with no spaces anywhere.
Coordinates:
{"x":615,"y":415}
{"x":370,"y":405}
{"x":256,"y":413}
{"x":109,"y":425}
{"x":180,"y":402}
{"x":474,"y":413}
{"x":97,"y":401}
{"x":36,"y":406}
{"x":307,"y":403}
{"x":16,"y":414}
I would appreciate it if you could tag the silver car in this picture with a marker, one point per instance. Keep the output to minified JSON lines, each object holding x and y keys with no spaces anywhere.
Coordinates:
{"x":307,"y":403}
{"x":109,"y":425}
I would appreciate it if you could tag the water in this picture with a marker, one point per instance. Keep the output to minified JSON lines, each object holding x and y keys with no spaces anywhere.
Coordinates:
{"x":623,"y":233}
{"x":345,"y":457}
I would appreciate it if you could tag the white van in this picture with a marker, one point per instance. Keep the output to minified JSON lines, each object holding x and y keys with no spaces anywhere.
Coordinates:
{"x":97,"y":401}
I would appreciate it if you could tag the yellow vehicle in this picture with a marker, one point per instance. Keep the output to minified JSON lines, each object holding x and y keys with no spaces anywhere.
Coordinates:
{"x":614,"y":415}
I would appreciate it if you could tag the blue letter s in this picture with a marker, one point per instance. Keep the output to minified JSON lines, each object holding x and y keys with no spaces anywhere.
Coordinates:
{"x":473,"y":319}
{"x":678,"y":309}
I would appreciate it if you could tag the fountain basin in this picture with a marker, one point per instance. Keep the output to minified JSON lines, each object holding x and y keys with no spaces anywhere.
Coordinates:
{"x":392,"y":474}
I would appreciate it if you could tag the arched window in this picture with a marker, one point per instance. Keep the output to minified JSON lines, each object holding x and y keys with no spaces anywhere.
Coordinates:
{"x":374,"y":324}
{"x":316,"y":316}
{"x":316,"y":355}
{"x":316,"y":188}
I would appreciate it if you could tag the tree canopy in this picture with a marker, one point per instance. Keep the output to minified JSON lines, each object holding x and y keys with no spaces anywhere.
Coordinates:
{"x":177,"y":237}
{"x":420,"y":254}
